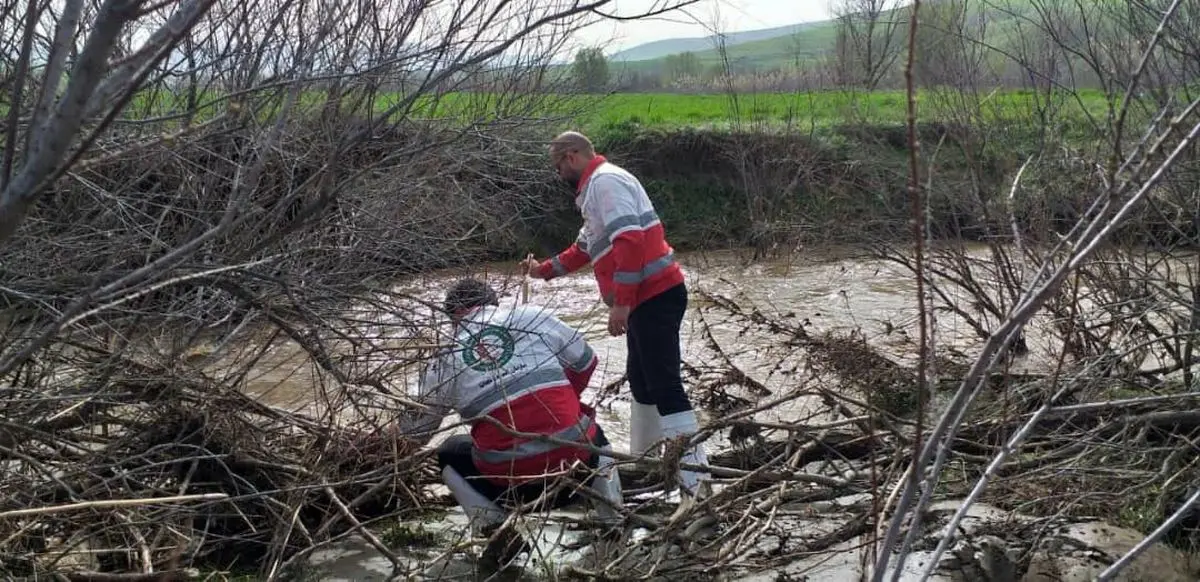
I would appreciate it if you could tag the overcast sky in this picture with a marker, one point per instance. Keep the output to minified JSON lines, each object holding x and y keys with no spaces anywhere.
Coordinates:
{"x":734,"y":15}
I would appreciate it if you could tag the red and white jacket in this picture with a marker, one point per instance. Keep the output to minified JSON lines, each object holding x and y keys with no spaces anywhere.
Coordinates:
{"x":523,"y":369}
{"x":622,"y":237}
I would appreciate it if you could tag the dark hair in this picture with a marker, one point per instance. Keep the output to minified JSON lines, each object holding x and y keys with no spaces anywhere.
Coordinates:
{"x":468,"y":293}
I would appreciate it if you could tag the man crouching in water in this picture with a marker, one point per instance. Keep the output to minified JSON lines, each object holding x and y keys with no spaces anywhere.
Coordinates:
{"x":512,"y":371}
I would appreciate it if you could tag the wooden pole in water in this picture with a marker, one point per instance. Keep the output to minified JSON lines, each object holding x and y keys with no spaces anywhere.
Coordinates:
{"x":525,"y":280}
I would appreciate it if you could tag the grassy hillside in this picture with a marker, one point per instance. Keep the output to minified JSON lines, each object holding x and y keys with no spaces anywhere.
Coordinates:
{"x":670,"y":46}
{"x":807,"y":44}
{"x":804,"y":45}
{"x":1000,"y":23}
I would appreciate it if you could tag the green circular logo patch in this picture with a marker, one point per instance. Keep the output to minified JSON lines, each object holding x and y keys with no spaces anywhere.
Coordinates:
{"x":489,"y":349}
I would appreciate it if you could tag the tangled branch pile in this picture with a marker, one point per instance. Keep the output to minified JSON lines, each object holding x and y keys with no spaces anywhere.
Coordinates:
{"x":189,"y":190}
{"x":253,"y":470}
{"x":812,"y":488}
{"x":167,"y":467}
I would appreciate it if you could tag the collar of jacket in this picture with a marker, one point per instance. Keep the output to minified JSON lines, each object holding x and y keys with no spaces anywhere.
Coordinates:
{"x":469,"y":316}
{"x":587,"y":175}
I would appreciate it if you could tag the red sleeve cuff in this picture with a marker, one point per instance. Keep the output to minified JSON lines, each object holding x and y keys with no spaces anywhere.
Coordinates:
{"x":579,"y":380}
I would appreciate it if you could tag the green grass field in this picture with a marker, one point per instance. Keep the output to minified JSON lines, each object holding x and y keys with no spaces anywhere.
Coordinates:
{"x":760,"y":110}
{"x":750,"y":112}
{"x":816,"y":108}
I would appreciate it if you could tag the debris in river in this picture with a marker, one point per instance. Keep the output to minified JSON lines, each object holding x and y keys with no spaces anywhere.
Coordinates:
{"x":812,"y":466}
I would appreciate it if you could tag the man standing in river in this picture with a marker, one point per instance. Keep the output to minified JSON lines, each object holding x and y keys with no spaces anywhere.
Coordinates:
{"x":638,"y":278}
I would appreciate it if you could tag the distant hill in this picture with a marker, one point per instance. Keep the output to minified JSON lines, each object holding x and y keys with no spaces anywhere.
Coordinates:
{"x":1006,"y":26}
{"x":671,"y":46}
{"x":785,"y":46}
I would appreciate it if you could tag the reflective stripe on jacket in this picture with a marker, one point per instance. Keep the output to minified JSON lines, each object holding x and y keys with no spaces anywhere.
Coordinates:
{"x":516,"y":370}
{"x":622,"y":237}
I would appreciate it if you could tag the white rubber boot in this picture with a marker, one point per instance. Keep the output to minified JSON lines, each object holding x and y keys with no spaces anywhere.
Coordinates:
{"x":694,"y":485}
{"x":480,"y":510}
{"x":607,"y":484}
{"x":644,"y":428}
{"x":684,"y":424}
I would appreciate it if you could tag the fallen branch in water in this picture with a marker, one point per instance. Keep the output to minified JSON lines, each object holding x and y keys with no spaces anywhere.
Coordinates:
{"x":329,"y":481}
{"x":110,"y":504}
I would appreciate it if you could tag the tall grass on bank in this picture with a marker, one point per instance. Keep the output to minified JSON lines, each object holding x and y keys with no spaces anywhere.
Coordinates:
{"x":595,"y":112}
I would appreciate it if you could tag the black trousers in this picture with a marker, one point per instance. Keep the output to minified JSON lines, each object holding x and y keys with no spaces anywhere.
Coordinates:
{"x":455,"y":452}
{"x":654,"y":367}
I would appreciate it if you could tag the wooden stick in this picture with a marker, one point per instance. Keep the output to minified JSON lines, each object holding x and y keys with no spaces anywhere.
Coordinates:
{"x":110,"y":503}
{"x":86,"y":576}
{"x":525,"y":280}
{"x":421,"y":347}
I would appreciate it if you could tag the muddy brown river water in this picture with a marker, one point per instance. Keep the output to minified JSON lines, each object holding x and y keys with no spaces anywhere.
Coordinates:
{"x":830,"y":288}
